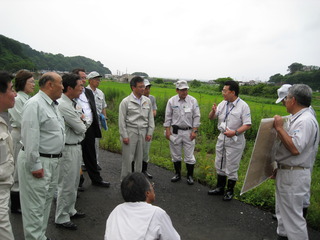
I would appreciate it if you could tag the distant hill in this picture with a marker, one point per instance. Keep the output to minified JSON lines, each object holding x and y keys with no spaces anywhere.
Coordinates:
{"x":15,"y":56}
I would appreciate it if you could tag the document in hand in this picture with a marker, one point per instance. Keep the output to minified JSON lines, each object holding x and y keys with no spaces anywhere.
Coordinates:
{"x":262,"y":158}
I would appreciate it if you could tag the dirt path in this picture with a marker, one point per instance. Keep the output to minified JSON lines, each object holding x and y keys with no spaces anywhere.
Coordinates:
{"x":194,"y":214}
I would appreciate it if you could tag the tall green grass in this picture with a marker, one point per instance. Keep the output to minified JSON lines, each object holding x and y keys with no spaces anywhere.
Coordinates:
{"x":262,"y":196}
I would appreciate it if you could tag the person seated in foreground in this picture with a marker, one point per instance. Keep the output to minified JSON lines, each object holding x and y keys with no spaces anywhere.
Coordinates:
{"x":137,"y":218}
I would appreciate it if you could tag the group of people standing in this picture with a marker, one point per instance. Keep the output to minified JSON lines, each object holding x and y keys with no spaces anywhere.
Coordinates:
{"x":296,"y":150}
{"x":53,"y":131}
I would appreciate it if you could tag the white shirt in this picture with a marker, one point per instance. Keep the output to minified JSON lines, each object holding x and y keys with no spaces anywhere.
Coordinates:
{"x":16,"y":111}
{"x":304,"y":131}
{"x":99,"y":99}
{"x":84,"y":103}
{"x":235,"y":114}
{"x":139,"y":221}
{"x":182,"y":112}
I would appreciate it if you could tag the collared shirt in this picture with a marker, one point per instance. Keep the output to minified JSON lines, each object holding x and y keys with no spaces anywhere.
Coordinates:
{"x":235,"y":114}
{"x":84,"y":103}
{"x":182,"y":112}
{"x":135,"y":116}
{"x":42,"y":129}
{"x":75,"y":127}
{"x":303,"y":128}
{"x":138,"y":100}
{"x":6,"y":154}
{"x":16,"y":111}
{"x":139,"y":220}
{"x":99,"y":98}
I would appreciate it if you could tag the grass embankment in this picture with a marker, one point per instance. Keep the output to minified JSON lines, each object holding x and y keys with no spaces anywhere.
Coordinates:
{"x":262,"y":196}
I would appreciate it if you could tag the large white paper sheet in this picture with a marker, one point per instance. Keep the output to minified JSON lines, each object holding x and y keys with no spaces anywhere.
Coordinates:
{"x":260,"y":166}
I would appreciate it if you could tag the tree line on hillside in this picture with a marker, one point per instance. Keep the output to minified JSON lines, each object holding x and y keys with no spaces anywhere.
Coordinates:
{"x":299,"y":73}
{"x":15,"y":56}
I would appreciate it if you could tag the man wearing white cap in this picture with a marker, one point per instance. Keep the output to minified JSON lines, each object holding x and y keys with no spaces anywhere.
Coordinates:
{"x":299,"y":144}
{"x":234,"y":118}
{"x":182,"y":120}
{"x":146,"y":148}
{"x":99,"y":97}
{"x":282,"y":95}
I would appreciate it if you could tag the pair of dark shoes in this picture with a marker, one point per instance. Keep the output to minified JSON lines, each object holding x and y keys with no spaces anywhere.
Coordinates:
{"x":219,"y":191}
{"x":177,"y":178}
{"x":101,"y":184}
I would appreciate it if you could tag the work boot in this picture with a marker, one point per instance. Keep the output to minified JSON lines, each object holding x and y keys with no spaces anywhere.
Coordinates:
{"x":177,"y":168}
{"x":190,"y":168}
{"x":305,"y":212}
{"x":15,"y":202}
{"x":281,"y":237}
{"x":221,"y":183}
{"x":81,"y":181}
{"x":144,"y":169}
{"x":229,"y":193}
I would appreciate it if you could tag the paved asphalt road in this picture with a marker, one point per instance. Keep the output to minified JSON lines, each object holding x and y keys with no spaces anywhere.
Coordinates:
{"x":195,"y":215}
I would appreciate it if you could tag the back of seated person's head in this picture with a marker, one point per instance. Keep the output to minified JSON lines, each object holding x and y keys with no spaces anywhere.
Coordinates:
{"x":134,"y":187}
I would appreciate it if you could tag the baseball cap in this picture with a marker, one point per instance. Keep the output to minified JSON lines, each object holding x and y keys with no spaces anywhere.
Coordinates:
{"x":146,"y":83}
{"x":283,"y":92}
{"x":182,"y":84}
{"x":93,"y":74}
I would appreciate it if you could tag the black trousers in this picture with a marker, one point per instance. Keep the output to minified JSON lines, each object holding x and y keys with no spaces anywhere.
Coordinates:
{"x":89,"y":155}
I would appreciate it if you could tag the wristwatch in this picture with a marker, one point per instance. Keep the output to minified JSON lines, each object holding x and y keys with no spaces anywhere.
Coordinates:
{"x":237,"y":133}
{"x":195,"y":131}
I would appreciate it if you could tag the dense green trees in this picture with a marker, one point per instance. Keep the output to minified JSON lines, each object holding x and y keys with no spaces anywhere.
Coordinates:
{"x":15,"y":55}
{"x":299,"y":73}
{"x":141,"y":74}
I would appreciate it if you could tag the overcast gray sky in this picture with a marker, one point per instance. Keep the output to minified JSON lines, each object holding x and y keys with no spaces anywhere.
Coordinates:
{"x":186,"y":39}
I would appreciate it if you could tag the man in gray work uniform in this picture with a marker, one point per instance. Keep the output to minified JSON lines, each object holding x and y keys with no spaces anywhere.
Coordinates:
{"x":136,"y":125}
{"x":146,"y":148}
{"x":70,"y":162}
{"x":7,"y":100}
{"x":234,"y":118}
{"x":182,"y":120}
{"x":43,"y":138}
{"x":299,"y":145}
